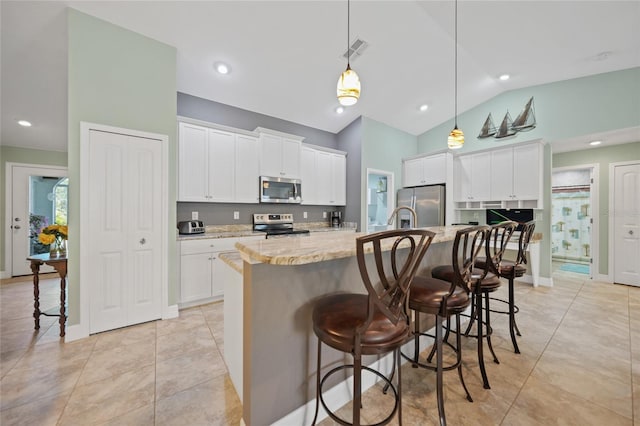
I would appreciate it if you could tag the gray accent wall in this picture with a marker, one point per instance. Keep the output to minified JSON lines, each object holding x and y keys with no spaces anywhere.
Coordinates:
{"x":350,"y":140}
{"x":215,"y":112}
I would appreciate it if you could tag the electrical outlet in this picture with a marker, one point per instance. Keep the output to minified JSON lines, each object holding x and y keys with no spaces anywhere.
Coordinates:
{"x":324,"y":215}
{"x":194,"y":215}
{"x":304,"y":215}
{"x":236,"y":215}
{"x":538,"y":216}
{"x":475,"y":215}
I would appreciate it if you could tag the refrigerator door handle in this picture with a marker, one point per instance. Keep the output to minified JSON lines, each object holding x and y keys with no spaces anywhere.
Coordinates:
{"x":414,"y":201}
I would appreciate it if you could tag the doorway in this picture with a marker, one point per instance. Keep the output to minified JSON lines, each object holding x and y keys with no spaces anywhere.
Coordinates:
{"x":624,"y":223}
{"x":36,"y":197}
{"x":380,"y":199}
{"x":572,"y":220}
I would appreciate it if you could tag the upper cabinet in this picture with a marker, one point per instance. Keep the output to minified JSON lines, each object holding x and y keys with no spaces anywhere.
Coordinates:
{"x":509,"y":177}
{"x":324,"y":177}
{"x":427,"y":170}
{"x":279,"y":154}
{"x":216,"y":165}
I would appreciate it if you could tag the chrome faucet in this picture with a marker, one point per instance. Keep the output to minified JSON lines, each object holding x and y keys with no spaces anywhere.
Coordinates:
{"x":392,"y":218}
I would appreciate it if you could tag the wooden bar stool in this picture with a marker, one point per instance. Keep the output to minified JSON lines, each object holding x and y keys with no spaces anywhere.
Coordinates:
{"x":511,"y":270}
{"x":375,"y":323}
{"x":443,"y":299}
{"x":489,"y":282}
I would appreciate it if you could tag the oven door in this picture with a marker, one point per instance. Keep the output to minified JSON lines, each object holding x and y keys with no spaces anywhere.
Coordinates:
{"x":280,"y":190}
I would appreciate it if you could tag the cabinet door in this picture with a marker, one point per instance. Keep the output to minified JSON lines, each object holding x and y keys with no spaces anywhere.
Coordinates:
{"x":502,"y":174}
{"x":291,"y":158}
{"x":339,"y":179}
{"x":434,"y":169}
{"x":192,"y":163}
{"x":324,"y":173}
{"x":309,"y":178}
{"x":463,"y":177}
{"x":247,"y":169}
{"x":217,"y":275}
{"x":526,"y":172}
{"x":412,"y":172}
{"x":270,"y":155}
{"x":221,"y":165}
{"x":481,"y":176}
{"x":195,"y":277}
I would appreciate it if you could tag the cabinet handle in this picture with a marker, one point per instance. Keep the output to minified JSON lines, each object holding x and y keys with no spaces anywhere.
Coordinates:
{"x":142,"y":241}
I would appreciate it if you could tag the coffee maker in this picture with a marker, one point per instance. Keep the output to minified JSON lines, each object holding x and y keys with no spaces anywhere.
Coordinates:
{"x":336,"y":219}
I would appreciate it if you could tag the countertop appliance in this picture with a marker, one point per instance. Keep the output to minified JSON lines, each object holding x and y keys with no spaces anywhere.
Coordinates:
{"x":336,"y":219}
{"x":276,"y":225}
{"x":191,"y":227}
{"x":280,"y":190}
{"x":427,"y":201}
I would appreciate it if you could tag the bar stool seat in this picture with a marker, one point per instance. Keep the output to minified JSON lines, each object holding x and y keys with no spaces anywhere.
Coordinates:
{"x":490,"y":282}
{"x":427,"y":295}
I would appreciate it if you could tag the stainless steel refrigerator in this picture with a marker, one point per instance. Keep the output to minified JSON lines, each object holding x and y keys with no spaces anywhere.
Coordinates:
{"x":427,"y":201}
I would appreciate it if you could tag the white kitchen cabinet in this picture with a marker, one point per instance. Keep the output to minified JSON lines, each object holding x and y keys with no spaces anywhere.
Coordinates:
{"x":279,"y":156}
{"x":429,"y":170}
{"x":201,"y":269}
{"x":324,"y":177}
{"x":516,"y":175}
{"x":472,"y":177}
{"x":216,"y":165}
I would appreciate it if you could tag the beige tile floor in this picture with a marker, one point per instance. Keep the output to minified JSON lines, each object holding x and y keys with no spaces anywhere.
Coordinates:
{"x":580,"y":365}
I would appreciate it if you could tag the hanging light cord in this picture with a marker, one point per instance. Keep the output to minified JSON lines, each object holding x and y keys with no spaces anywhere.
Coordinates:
{"x":348,"y":32}
{"x":456,"y":69}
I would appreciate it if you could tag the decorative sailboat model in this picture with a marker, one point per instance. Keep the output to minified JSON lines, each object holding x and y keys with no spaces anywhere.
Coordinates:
{"x":527,"y":118}
{"x":488,"y":128}
{"x":506,"y":128}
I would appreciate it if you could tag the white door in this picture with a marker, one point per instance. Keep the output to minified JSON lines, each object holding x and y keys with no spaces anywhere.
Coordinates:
{"x":21,"y":208}
{"x":626,"y":219}
{"x":125,"y":250}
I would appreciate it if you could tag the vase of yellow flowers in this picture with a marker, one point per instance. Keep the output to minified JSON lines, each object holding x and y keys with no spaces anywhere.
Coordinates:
{"x":55,"y":236}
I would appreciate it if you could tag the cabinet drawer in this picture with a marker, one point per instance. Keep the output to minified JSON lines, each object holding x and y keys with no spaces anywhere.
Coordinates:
{"x":211,"y":245}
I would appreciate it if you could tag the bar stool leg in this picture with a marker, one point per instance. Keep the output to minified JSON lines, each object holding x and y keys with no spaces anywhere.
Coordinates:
{"x":357,"y":387}
{"x":315,"y":417}
{"x":439,"y":378}
{"x":487,"y":310}
{"x":459,"y":358}
{"x":512,"y":316}
{"x":485,"y":379}
{"x":396,"y":354}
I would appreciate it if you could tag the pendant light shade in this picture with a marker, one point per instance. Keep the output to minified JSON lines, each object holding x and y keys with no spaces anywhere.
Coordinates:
{"x":348,"y":90}
{"x":456,"y":137}
{"x":348,"y":87}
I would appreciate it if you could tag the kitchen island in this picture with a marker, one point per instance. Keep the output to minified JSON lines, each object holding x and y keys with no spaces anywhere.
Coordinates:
{"x":281,"y":280}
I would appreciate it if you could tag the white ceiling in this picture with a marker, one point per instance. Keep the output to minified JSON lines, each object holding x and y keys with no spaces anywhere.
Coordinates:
{"x":285,"y":55}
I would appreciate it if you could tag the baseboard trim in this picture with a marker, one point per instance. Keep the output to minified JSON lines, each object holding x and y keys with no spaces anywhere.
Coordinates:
{"x":75,"y":332}
{"x":170,"y":311}
{"x":4,"y":274}
{"x":543,"y":281}
{"x":603,"y":278}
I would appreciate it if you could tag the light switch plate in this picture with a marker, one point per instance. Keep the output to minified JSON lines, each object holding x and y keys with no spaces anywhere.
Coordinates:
{"x":538,"y":216}
{"x":236,"y":215}
{"x":304,"y":215}
{"x":324,"y":215}
{"x":194,"y":215}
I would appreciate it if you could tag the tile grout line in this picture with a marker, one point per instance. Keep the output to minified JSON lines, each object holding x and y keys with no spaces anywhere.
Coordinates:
{"x":633,"y":411}
{"x":542,"y":353}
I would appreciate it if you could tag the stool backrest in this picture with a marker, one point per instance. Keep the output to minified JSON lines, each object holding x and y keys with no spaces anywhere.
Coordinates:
{"x":523,"y":243}
{"x":499,"y":236}
{"x":468,"y":243}
{"x":406,"y":248}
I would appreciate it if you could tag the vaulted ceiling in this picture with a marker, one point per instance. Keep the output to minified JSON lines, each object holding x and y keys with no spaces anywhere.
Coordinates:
{"x":285,"y":56}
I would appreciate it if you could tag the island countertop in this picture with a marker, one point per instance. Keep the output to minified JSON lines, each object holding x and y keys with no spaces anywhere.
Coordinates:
{"x":317,"y":247}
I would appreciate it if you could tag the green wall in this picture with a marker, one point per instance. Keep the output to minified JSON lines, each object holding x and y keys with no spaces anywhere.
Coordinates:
{"x":11,"y":154}
{"x":122,"y":79}
{"x":383,"y":148}
{"x":603,"y":157}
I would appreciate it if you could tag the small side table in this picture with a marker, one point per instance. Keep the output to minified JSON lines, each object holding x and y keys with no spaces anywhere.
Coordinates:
{"x":60,"y":265}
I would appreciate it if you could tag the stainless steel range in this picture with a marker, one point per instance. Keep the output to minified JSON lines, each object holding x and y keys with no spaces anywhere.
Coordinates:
{"x":276,"y":225}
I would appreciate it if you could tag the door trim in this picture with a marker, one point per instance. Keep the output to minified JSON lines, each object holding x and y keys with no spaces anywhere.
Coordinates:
{"x":85,"y":275}
{"x":612,"y":170}
{"x":8,"y":205}
{"x":594,"y":269}
{"x":391,"y":200}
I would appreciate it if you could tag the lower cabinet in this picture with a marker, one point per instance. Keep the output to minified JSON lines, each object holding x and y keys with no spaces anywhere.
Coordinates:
{"x":201,"y":270}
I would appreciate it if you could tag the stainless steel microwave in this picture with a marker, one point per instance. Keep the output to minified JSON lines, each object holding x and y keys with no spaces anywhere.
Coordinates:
{"x":280,"y":190}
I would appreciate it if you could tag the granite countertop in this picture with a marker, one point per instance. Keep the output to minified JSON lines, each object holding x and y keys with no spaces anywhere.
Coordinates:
{"x":237,"y":231}
{"x":233,"y":259}
{"x":317,"y":247}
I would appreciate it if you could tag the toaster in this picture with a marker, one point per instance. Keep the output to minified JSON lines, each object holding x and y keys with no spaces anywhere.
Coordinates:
{"x":191,"y":227}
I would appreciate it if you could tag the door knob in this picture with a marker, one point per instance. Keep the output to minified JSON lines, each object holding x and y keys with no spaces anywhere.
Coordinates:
{"x":142,"y":241}
{"x":17,"y":219}
{"x":16,"y":227}
{"x":630,"y":232}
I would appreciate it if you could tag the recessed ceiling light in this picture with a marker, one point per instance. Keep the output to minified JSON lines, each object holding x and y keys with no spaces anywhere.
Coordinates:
{"x":24,"y":123}
{"x":423,"y":107}
{"x":594,"y":143}
{"x":339,"y":110}
{"x":222,"y":68}
{"x":504,"y":77}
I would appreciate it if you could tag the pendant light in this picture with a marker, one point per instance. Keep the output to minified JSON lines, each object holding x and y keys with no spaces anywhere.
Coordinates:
{"x":456,"y":137}
{"x":348,"y":90}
